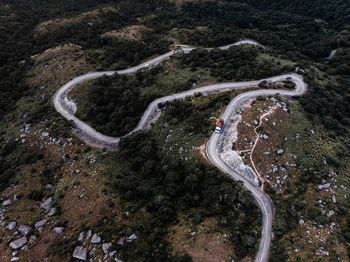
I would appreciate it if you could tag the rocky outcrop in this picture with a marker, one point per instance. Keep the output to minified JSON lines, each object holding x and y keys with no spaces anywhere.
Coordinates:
{"x":80,"y":253}
{"x":47,"y":204}
{"x":96,"y":239}
{"x":17,"y":244}
{"x":24,"y":229}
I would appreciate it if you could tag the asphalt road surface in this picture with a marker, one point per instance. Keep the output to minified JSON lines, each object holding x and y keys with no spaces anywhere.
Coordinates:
{"x":66,"y":108}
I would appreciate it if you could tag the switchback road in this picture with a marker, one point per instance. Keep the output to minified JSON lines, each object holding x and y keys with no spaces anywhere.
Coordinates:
{"x":67,"y":108}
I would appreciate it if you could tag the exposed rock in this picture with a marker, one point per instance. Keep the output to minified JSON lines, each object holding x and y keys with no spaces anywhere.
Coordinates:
{"x":24,"y":229}
{"x":80,"y":253}
{"x":58,"y":230}
{"x":52,"y":212}
{"x":96,"y":239}
{"x":81,"y":237}
{"x":106,"y":247}
{"x":301,"y":222}
{"x":45,"y":134}
{"x":47,"y":204}
{"x":112,"y":253}
{"x":40,"y":223}
{"x":92,"y":251}
{"x":6,"y":203}
{"x":88,"y":235}
{"x":331,"y":213}
{"x":327,"y":185}
{"x":280,"y":151}
{"x":117,"y":260}
{"x":48,"y":187}
{"x":132,"y":237}
{"x":17,"y":244}
{"x":14,"y":259}
{"x":11,"y":225}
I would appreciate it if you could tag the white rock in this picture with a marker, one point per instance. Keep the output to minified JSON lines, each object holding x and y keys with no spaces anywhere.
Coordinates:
{"x":96,"y":239}
{"x":106,"y":247}
{"x":15,"y":259}
{"x":81,"y":237}
{"x":11,"y":225}
{"x":58,"y":230}
{"x":24,"y":229}
{"x":132,"y":237}
{"x":40,"y":223}
{"x":88,"y":235}
{"x":327,"y":185}
{"x":51,"y":212}
{"x":301,"y":222}
{"x":280,"y":151}
{"x":47,"y":204}
{"x":45,"y":134}
{"x":6,"y":203}
{"x":48,"y":187}
{"x":112,"y":253}
{"x":80,"y":253}
{"x":17,"y":244}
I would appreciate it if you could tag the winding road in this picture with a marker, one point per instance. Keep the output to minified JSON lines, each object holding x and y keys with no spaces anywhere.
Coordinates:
{"x":67,"y":109}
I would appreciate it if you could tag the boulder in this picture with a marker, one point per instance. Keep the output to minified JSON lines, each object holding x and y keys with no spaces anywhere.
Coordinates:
{"x":14,"y":259}
{"x":47,"y":204}
{"x":11,"y":225}
{"x":58,"y":230}
{"x":24,"y":229}
{"x":132,"y":237}
{"x":112,"y":253}
{"x":51,"y":212}
{"x":45,"y":134}
{"x":40,"y":223}
{"x":48,"y":187}
{"x":106,"y":247}
{"x":81,"y":237}
{"x":6,"y":203}
{"x":80,"y":253}
{"x":88,"y":235}
{"x":327,"y":185}
{"x":17,"y":244}
{"x":280,"y":151}
{"x":96,"y":239}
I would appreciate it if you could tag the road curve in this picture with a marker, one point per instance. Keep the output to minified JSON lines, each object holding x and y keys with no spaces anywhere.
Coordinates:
{"x":91,"y":136}
{"x":212,"y":151}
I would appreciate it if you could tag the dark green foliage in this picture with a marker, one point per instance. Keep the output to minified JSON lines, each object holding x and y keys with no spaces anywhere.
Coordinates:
{"x":36,"y":195}
{"x":236,"y":63}
{"x":166,"y":187}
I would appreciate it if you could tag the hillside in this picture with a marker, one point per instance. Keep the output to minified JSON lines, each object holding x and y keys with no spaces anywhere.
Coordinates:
{"x":158,"y":198}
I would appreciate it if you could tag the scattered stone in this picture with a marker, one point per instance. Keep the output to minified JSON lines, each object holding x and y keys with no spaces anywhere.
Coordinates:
{"x":24,"y":229}
{"x":47,"y":204}
{"x":96,"y":239}
{"x":11,"y":225}
{"x":48,"y":187}
{"x":280,"y":151}
{"x":117,"y":260}
{"x":58,"y":230}
{"x":89,"y":233}
{"x":80,"y":253}
{"x":301,"y":222}
{"x":92,"y":251}
{"x":331,"y":213}
{"x":81,"y":237}
{"x":45,"y":134}
{"x":132,"y":237}
{"x":256,"y":122}
{"x":327,"y":185}
{"x":14,"y":259}
{"x":40,"y":223}
{"x":77,"y":171}
{"x":112,"y":253}
{"x":265,"y":137}
{"x":52,"y":212}
{"x":106,"y":247}
{"x":6,"y":203}
{"x":17,"y":244}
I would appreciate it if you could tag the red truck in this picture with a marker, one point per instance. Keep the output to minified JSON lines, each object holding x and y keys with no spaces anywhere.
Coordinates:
{"x":219,"y":126}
